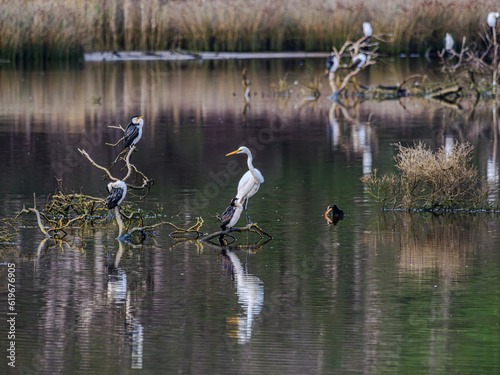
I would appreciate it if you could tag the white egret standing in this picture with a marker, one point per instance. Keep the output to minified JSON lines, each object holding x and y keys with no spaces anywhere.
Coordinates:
{"x":133,"y":132}
{"x":448,"y":42}
{"x":358,"y":61}
{"x":231,"y":216}
{"x":250,"y":182}
{"x":367,"y":31}
{"x":117,"y":191}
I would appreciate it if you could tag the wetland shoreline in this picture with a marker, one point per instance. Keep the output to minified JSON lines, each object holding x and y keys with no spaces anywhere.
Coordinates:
{"x":55,"y":30}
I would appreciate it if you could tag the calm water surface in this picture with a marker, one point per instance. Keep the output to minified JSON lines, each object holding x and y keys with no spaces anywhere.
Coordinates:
{"x":377,"y":293}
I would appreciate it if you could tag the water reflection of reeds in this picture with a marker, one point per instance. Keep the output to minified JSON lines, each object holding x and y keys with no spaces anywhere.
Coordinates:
{"x":426,"y":243}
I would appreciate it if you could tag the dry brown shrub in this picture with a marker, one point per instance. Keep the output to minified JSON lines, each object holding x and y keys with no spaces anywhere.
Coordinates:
{"x":428,"y":180}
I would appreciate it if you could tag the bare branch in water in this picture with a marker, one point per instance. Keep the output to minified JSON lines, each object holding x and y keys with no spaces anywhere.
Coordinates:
{"x":249,"y":228}
{"x":84,"y":153}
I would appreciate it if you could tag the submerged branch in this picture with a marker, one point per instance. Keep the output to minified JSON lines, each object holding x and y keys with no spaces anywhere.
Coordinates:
{"x":248,"y":228}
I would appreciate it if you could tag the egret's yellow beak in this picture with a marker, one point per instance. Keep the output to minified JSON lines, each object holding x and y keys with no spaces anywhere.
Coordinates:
{"x":140,"y":117}
{"x":234,"y":152}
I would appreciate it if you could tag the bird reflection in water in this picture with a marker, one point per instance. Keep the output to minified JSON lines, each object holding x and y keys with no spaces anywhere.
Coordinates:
{"x":250,"y":291}
{"x":120,"y":296}
{"x":350,"y":135}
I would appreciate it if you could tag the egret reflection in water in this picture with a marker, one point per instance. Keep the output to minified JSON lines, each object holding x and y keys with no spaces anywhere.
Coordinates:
{"x":250,"y":291}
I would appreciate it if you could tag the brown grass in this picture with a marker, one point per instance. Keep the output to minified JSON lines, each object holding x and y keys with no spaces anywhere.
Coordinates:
{"x":427,"y":180}
{"x":60,"y":28}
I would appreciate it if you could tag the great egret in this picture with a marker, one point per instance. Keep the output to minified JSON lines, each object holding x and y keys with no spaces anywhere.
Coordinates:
{"x":492,"y":19}
{"x":250,"y":182}
{"x":133,"y":132}
{"x":231,"y":216}
{"x":448,"y":42}
{"x":117,"y":191}
{"x":358,"y":61}
{"x":367,"y":31}
{"x":332,"y":63}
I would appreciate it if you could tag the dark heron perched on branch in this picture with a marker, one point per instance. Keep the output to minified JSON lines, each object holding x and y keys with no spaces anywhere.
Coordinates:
{"x":133,"y":132}
{"x":250,"y":182}
{"x":231,"y":216}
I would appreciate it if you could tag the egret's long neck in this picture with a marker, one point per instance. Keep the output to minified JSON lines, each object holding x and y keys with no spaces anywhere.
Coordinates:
{"x":249,"y":162}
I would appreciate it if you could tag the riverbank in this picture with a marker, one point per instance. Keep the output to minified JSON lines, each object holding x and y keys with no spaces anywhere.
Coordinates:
{"x":62,"y":30}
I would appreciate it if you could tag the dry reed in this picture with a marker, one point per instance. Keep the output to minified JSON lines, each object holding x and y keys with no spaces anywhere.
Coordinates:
{"x":427,"y":180}
{"x":55,"y":29}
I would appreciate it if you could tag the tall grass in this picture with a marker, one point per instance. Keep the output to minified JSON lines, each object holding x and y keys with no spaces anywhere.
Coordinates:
{"x":54,"y":29}
{"x":442,"y":180}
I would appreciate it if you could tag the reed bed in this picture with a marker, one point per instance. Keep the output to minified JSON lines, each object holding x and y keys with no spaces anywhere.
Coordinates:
{"x":55,"y":29}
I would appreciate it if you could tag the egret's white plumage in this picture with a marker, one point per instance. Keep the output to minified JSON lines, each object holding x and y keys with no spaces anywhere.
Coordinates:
{"x":358,"y":61}
{"x":492,"y":19}
{"x":448,"y":42}
{"x":367,"y":30}
{"x":133,"y":132}
{"x":250,"y":182}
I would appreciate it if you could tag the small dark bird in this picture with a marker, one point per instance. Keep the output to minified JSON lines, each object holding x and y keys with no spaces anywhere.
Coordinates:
{"x":337,"y":214}
{"x":231,"y":216}
{"x":133,"y":132}
{"x":117,"y":191}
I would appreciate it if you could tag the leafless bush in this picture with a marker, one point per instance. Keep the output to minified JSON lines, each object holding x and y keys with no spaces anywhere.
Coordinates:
{"x":427,"y":180}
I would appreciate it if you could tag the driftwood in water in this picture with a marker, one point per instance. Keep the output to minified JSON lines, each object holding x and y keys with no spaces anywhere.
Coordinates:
{"x":254,"y":228}
{"x":441,"y":92}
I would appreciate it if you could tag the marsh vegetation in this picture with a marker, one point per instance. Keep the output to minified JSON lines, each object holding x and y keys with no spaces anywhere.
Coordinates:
{"x":431,"y":180}
{"x":60,"y":29}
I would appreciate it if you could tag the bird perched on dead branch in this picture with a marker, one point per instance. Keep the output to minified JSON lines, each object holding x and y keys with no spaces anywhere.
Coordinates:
{"x":358,"y":61}
{"x":133,"y":132}
{"x":448,"y":42}
{"x":367,"y":31}
{"x":250,"y":182}
{"x":492,"y":19}
{"x":117,"y":191}
{"x":332,"y":63}
{"x":232,"y":214}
